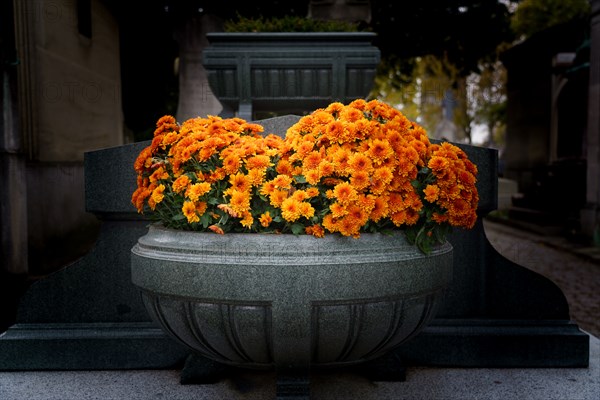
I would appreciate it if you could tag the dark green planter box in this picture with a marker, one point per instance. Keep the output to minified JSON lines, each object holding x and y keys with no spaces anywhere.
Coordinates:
{"x":289,"y":72}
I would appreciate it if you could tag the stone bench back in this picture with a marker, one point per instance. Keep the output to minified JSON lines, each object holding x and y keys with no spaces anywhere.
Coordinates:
{"x":90,"y":316}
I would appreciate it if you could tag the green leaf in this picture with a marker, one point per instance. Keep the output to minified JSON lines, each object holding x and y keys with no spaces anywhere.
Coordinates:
{"x":205,"y":220}
{"x":424,"y":245}
{"x":300,"y":179}
{"x":224,"y":219}
{"x":178,"y":217}
{"x":297,"y":228}
{"x":411,"y":236}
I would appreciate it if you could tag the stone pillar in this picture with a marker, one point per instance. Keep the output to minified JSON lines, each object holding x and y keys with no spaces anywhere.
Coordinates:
{"x":13,"y":196}
{"x":590,"y":215}
{"x":195,"y":96}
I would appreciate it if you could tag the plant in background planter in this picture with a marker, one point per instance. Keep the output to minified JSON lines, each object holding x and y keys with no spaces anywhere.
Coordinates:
{"x":315,"y":264}
{"x":288,"y":23}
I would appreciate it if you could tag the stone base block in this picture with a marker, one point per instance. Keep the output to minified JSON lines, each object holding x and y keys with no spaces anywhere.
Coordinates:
{"x":92,"y":346}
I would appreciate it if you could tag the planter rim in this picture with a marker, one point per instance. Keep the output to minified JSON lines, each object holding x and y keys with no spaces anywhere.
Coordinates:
{"x":259,"y":248}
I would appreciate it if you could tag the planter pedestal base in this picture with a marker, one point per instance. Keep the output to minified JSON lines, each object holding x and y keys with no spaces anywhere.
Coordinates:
{"x":201,"y":371}
{"x":198,"y":370}
{"x":293,"y":385}
{"x":388,"y":368}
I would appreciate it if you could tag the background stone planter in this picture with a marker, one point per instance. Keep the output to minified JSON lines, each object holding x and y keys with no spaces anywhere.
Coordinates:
{"x":289,"y":72}
{"x":264,"y":301}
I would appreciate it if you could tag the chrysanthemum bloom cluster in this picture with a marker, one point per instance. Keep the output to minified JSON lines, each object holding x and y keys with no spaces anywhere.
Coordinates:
{"x":362,"y":167}
{"x":374,"y":170}
{"x":205,"y":174}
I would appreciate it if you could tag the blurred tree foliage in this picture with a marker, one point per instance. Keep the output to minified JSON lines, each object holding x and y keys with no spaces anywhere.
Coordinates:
{"x":534,"y":16}
{"x":461,"y":31}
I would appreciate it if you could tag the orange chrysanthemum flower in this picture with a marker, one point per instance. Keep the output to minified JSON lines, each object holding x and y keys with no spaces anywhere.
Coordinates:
{"x":379,"y":151}
{"x":284,"y":167}
{"x":383,"y":174}
{"x":158,"y":194}
{"x":277,"y":197}
{"x":312,"y":176}
{"x":380,"y":209}
{"x":282,"y":181}
{"x":304,"y":148}
{"x":335,"y":132}
{"x":348,"y":226}
{"x":216,"y":229}
{"x":312,"y":160}
{"x":256,"y":176}
{"x":265,"y":219}
{"x":228,"y":210}
{"x":360,"y":180}
{"x":330,"y":223}
{"x":338,"y":210}
{"x":344,"y":192}
{"x":259,"y":161}
{"x":201,"y":207}
{"x":437,"y":163}
{"x":138,"y":198}
{"x":181,"y":184}
{"x":239,"y":182}
{"x":232,"y":163}
{"x":315,"y":230}
{"x":300,"y":195}
{"x":431,"y":193}
{"x":312,"y":192}
{"x":267,"y":188}
{"x":239,"y":201}
{"x":306,"y":210}
{"x":247,"y":219}
{"x":290,"y":209}
{"x":159,"y":174}
{"x":189,"y":210}
{"x":395,"y":202}
{"x":360,"y":162}
{"x":197,"y":190}
{"x":358,"y":214}
{"x":340,"y":159}
{"x":326,"y":168}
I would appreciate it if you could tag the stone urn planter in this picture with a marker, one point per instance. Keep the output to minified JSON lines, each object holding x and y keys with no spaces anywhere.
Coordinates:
{"x":290,"y":72}
{"x":286,"y":301}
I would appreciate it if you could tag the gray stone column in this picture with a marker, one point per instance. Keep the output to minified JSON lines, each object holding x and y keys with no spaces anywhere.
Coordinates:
{"x":590,"y":215}
{"x":195,"y":96}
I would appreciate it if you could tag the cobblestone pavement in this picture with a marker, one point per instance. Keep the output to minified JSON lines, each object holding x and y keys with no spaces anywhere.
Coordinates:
{"x":577,"y":277}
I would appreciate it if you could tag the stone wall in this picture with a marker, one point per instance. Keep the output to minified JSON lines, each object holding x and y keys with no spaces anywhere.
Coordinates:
{"x":69,"y":102}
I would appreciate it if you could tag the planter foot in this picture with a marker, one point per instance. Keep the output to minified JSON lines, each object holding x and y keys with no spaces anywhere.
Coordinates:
{"x":201,"y":370}
{"x":293,"y":386}
{"x":388,"y":368}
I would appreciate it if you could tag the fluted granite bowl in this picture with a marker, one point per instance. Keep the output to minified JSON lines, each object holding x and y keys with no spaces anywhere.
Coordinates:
{"x":264,"y":301}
